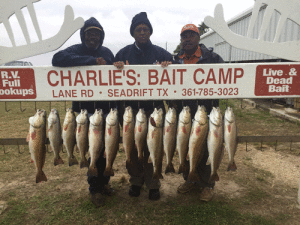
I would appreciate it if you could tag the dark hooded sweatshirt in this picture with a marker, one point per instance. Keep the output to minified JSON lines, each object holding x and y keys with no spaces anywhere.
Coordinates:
{"x":80,"y":55}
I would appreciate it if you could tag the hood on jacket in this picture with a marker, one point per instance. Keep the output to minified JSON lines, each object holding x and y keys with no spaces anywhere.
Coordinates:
{"x":91,"y":22}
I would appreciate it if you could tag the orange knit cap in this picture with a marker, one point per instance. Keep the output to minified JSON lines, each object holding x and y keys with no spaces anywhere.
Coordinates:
{"x":190,"y":27}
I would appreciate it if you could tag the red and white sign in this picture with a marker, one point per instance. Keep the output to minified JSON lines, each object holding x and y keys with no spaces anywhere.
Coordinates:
{"x":17,"y":84}
{"x":148,"y":82}
{"x":274,"y":80}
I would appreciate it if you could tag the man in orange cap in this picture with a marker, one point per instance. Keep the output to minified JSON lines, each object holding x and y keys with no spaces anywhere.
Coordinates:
{"x":194,"y":53}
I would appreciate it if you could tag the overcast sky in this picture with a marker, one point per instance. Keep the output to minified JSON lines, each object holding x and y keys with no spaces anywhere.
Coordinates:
{"x":167,"y":19}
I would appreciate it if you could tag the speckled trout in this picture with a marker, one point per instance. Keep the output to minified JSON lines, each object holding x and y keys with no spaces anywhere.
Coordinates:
{"x":197,"y":140}
{"x":37,"y":140}
{"x":69,"y":135}
{"x":169,"y":138}
{"x":112,"y":135}
{"x":96,"y":140}
{"x":54,"y":134}
{"x":128,"y":135}
{"x":140,"y":134}
{"x":230,"y":137}
{"x":155,"y":142}
{"x":82,"y":136}
{"x":215,"y":142}
{"x":183,"y":134}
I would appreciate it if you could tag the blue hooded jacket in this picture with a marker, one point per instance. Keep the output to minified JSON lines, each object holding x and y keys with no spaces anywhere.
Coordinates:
{"x":80,"y":55}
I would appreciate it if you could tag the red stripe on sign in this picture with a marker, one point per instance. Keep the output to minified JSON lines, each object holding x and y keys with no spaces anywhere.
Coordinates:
{"x":109,"y":131}
{"x":184,"y":130}
{"x":126,"y":128}
{"x":79,"y":129}
{"x":140,"y":128}
{"x":229,"y":128}
{"x":96,"y":131}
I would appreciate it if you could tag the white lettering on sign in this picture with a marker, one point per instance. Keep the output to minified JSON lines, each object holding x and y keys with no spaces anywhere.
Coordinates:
{"x":278,"y":89}
{"x":10,"y":79}
{"x":270,"y":72}
{"x":272,"y":80}
{"x":150,"y":82}
{"x":12,"y":91}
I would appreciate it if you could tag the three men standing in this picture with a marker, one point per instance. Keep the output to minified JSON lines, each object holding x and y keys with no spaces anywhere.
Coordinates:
{"x":141,"y":52}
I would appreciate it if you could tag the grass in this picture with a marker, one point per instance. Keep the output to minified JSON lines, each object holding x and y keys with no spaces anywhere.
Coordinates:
{"x":55,"y":210}
{"x":64,"y":198}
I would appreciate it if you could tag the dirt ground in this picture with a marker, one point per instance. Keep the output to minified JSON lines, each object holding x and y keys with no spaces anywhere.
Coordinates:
{"x":268,"y":176}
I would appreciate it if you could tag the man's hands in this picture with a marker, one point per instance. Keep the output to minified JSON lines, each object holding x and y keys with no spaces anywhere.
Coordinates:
{"x":100,"y":61}
{"x":120,"y":64}
{"x":164,"y":63}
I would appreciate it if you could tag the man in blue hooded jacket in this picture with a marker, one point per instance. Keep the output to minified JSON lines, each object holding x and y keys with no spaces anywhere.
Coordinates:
{"x":90,"y":52}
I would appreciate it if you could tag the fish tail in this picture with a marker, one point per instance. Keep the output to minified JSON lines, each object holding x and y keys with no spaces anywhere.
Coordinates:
{"x":128,"y":164}
{"x":140,"y":163}
{"x":170,"y":168}
{"x":193,"y":177}
{"x":141,"y":160}
{"x":40,"y":176}
{"x":182,"y":168}
{"x":92,"y":171}
{"x":72,"y":161}
{"x":214,"y":177}
{"x":108,"y":172}
{"x":84,"y":163}
{"x":232,"y":167}
{"x":157,"y":176}
{"x":58,"y":160}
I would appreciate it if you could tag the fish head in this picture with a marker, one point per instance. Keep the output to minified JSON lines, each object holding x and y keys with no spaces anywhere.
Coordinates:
{"x":53,"y":117}
{"x":171,"y":115}
{"x":82,"y":118}
{"x":229,"y":115}
{"x":128,"y":115}
{"x":215,"y":116}
{"x":200,"y":115}
{"x":97,"y":117}
{"x":54,"y":111}
{"x":39,"y":119}
{"x":70,"y":116}
{"x":157,"y":116}
{"x":141,"y":116}
{"x":112,"y":117}
{"x":185,"y":115}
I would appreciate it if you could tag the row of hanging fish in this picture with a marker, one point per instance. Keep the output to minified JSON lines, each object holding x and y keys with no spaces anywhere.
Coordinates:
{"x":86,"y":133}
{"x":189,"y":138}
{"x":161,"y":136}
{"x":193,"y":138}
